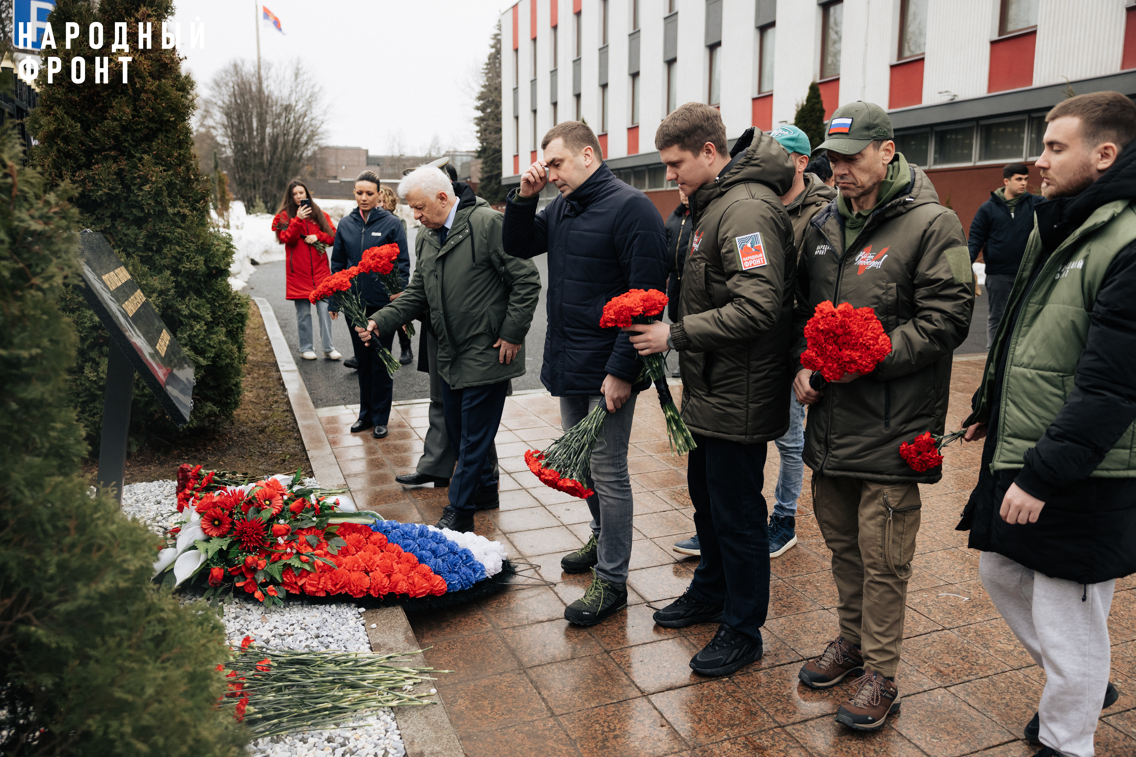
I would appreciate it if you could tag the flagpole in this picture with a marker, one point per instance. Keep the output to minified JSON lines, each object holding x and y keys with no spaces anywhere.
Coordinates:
{"x":259,"y":80}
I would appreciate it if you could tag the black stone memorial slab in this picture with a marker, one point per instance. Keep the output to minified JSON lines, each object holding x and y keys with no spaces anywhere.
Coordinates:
{"x":140,"y":342}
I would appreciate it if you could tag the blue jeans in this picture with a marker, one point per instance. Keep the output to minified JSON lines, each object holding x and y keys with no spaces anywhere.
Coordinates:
{"x":725,"y":480}
{"x":473,"y":416}
{"x":612,"y":506}
{"x":790,"y":448}
{"x":304,"y":325}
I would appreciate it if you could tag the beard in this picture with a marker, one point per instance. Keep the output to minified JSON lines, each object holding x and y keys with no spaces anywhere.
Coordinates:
{"x":1070,"y":187}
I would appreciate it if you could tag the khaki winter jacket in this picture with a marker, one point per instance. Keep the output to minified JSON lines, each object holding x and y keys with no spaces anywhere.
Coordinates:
{"x":737,"y":299}
{"x":807,"y":204}
{"x":910,"y":264}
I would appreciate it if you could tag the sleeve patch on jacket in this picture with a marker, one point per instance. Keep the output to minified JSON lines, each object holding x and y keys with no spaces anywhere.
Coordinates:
{"x":751,"y":251}
{"x":959,"y":260}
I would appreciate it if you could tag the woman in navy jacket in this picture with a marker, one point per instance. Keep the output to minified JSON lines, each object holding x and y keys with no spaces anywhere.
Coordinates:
{"x":369,"y":226}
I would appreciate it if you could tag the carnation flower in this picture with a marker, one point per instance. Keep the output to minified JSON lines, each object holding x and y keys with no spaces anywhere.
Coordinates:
{"x":844,"y":339}
{"x":923,"y":453}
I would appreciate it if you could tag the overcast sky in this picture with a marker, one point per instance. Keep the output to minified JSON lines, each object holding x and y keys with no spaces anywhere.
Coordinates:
{"x":390,"y":69}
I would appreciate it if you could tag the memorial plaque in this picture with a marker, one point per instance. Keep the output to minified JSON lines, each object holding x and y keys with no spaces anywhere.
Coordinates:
{"x":135,"y":327}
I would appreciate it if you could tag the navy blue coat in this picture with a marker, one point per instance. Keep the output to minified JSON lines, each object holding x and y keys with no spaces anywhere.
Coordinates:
{"x":352,"y":237}
{"x":602,"y":240}
{"x":1003,"y":235}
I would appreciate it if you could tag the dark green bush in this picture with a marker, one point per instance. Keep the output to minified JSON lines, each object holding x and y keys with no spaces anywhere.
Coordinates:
{"x":128,"y":151}
{"x":809,"y":117}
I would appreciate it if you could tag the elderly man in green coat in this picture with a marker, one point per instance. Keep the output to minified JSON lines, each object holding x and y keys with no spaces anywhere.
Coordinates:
{"x":480,"y":303}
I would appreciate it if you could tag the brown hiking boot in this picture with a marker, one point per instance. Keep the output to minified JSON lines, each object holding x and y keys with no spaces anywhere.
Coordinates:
{"x":839,"y":659}
{"x":876,"y":697}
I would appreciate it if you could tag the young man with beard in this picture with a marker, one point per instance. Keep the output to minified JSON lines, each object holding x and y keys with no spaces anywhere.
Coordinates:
{"x":1054,"y":512}
{"x":884,"y":243}
{"x":736,"y":308}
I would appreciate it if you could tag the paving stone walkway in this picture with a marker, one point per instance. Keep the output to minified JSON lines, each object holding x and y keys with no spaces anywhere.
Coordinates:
{"x":527,"y":683}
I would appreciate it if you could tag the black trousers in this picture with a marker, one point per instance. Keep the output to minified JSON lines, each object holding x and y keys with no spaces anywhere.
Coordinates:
{"x":731,"y":517}
{"x":473,"y":416}
{"x":376,"y":389}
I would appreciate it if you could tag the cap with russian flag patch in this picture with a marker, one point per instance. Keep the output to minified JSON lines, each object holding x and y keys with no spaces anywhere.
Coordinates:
{"x":855,"y":126}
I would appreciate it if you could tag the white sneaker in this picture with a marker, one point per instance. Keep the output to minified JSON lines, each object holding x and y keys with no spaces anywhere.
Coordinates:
{"x":309,"y":355}
{"x":333,"y":355}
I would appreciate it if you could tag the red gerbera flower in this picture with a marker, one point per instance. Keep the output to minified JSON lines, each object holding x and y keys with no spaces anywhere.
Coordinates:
{"x":250,"y":535}
{"x":216,"y":522}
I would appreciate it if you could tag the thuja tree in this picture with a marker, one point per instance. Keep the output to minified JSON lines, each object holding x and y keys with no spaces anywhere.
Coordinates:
{"x":94,"y":660}
{"x":128,"y":151}
{"x":488,"y":123}
{"x":810,"y":116}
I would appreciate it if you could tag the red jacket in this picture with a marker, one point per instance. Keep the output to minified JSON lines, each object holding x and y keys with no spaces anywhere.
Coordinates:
{"x":306,"y":266}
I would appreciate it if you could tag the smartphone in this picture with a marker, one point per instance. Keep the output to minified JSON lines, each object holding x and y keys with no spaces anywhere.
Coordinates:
{"x":306,"y":203}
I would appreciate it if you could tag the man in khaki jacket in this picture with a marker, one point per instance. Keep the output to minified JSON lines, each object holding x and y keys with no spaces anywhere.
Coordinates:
{"x":736,"y":328}
{"x":884,"y":243}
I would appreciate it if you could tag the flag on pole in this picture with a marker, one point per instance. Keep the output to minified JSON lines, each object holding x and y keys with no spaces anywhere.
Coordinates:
{"x":271,"y":18}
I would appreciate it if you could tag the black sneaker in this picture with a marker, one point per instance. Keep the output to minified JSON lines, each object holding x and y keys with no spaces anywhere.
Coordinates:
{"x":1033,"y":728}
{"x":407,"y":356}
{"x":601,"y":600}
{"x":488,"y":498}
{"x":688,"y":611}
{"x":456,"y":520}
{"x":728,"y":651}
{"x":583,"y":559}
{"x":1048,"y":752}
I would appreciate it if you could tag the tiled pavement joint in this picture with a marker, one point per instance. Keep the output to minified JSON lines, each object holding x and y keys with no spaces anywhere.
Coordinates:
{"x":426,"y":731}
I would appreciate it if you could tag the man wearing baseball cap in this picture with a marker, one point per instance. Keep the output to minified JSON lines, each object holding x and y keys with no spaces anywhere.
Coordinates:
{"x":885,"y":243}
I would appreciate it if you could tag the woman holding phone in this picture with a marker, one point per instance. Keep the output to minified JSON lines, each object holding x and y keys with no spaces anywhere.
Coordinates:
{"x":306,"y":232}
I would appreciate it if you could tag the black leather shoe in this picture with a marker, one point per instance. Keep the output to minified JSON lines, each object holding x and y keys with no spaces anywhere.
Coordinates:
{"x":421,"y":479}
{"x":456,"y":520}
{"x":486,"y":499}
{"x":351,"y":363}
{"x":407,"y":356}
{"x":358,"y":426}
{"x":1033,"y":728}
{"x":380,"y":432}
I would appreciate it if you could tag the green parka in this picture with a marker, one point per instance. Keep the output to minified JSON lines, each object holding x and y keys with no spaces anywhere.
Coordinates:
{"x":737,"y":299}
{"x":472,"y":293}
{"x":806,"y":205}
{"x":910,"y":264}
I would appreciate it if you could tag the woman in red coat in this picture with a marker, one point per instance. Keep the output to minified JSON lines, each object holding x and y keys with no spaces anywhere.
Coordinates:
{"x":306,"y":232}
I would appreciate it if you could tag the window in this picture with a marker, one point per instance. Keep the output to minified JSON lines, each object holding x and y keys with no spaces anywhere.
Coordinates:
{"x":656,"y":177}
{"x":915,"y":146}
{"x":954,"y":145}
{"x":516,"y":68}
{"x":555,"y":120}
{"x":766,"y":38}
{"x":516,"y":135}
{"x":1002,"y":140}
{"x":634,"y":15}
{"x":672,"y":86}
{"x":715,"y":74}
{"x":534,"y":59}
{"x":576,"y":33}
{"x":670,"y":7}
{"x":578,"y":113}
{"x":1017,"y":15}
{"x":603,"y":22}
{"x":1036,"y":144}
{"x":832,"y":21}
{"x":603,"y":109}
{"x":639,"y":178}
{"x":535,"y":141}
{"x":555,"y":46}
{"x":912,"y":28}
{"x":634,"y":99}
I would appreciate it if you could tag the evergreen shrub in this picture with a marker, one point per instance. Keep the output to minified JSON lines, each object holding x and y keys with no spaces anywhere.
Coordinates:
{"x":809,"y":117}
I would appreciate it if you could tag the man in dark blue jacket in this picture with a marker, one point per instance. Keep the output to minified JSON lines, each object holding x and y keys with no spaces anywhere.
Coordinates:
{"x":369,"y":226}
{"x":603,"y":238}
{"x":1002,"y":225}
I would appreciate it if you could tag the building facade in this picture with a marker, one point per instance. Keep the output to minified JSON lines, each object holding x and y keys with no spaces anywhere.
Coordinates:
{"x":967,"y":82}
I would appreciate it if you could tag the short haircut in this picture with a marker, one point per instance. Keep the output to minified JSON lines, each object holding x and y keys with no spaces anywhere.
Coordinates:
{"x":1105,"y":117}
{"x":429,"y":180}
{"x":820,"y":167}
{"x":453,"y":172}
{"x":690,"y":126}
{"x":576,"y":136}
{"x":1014,"y":169}
{"x":370,"y":176}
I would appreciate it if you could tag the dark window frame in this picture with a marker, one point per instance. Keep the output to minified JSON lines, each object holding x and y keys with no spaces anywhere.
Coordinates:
{"x":899,"y":56}
{"x":711,"y":50}
{"x":761,"y":56}
{"x":1003,"y":6}
{"x":824,"y":11}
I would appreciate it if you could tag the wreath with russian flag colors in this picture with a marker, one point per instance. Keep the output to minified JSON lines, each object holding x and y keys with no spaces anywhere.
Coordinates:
{"x":276,"y":537}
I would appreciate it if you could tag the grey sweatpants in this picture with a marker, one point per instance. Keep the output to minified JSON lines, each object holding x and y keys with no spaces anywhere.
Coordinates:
{"x":1066,"y":636}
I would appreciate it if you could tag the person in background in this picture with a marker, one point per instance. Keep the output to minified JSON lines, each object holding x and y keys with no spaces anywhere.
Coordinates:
{"x":678,"y":228}
{"x":999,"y":231}
{"x":369,"y":225}
{"x":820,"y":168}
{"x":480,"y":302}
{"x":885,"y":243}
{"x":306,"y":265}
{"x":603,"y":238}
{"x":389,"y":202}
{"x":1054,"y":510}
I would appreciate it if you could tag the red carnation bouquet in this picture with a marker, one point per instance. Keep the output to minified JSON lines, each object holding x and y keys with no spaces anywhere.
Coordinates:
{"x":567,"y":463}
{"x":644,"y":306}
{"x":380,"y":262}
{"x":348,"y":298}
{"x":841,"y":340}
{"x":925,"y":451}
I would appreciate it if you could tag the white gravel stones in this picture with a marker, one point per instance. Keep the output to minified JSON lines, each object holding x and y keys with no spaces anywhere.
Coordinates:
{"x":298,"y":624}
